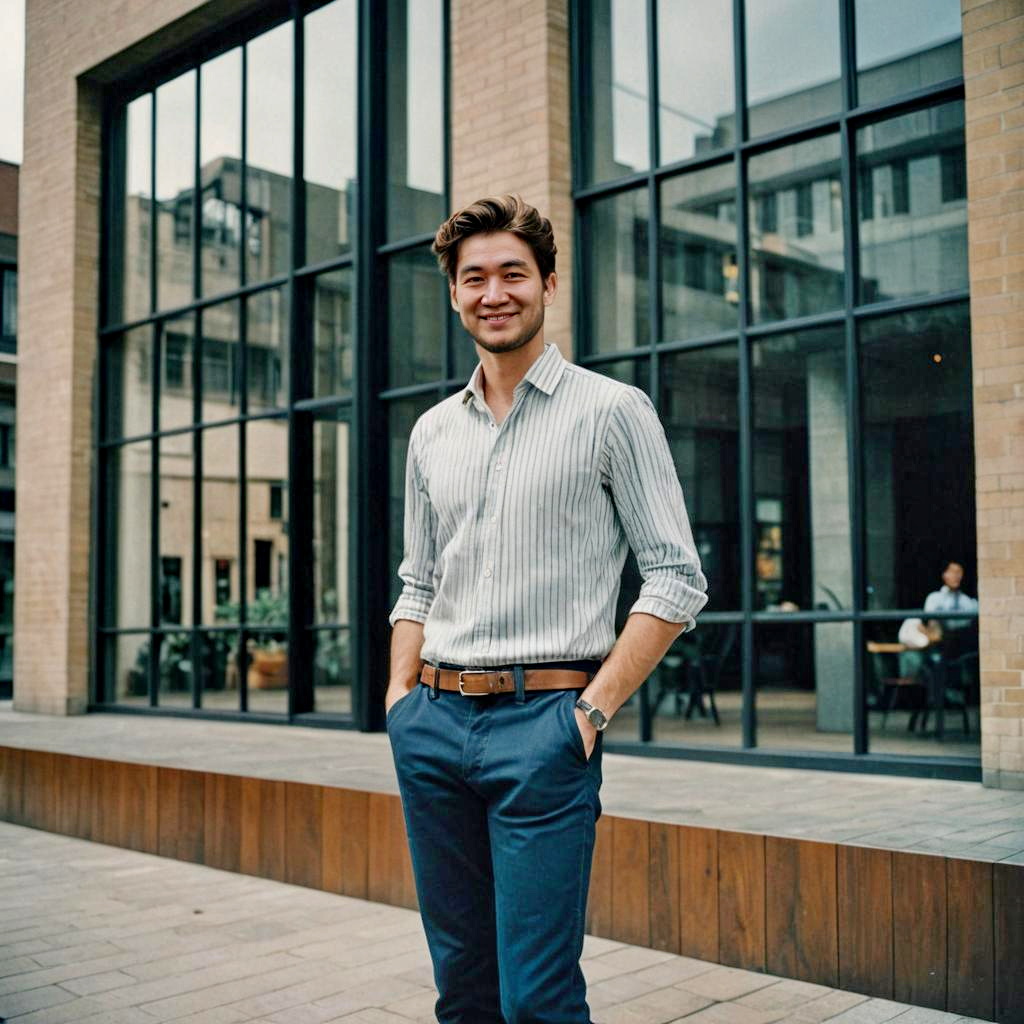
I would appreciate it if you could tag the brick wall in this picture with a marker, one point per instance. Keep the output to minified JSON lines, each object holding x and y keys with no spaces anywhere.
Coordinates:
{"x":8,"y":198}
{"x":994,"y":74}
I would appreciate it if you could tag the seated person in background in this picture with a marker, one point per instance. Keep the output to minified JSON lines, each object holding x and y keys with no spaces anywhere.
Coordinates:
{"x":956,"y":635}
{"x":950,"y":598}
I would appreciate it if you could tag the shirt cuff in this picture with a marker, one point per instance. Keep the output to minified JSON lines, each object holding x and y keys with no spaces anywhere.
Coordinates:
{"x":670,"y":599}
{"x":414,"y":607}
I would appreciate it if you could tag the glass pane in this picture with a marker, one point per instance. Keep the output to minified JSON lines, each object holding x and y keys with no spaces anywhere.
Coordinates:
{"x":630,"y":371}
{"x":220,"y":158}
{"x":796,"y":230}
{"x":220,"y":524}
{"x":177,"y":470}
{"x":266,"y":355}
{"x":918,"y":454}
{"x":617,"y":273}
{"x":9,"y":304}
{"x":332,"y":671}
{"x":176,"y":355}
{"x":416,"y":137}
{"x":137,"y":208}
{"x":332,"y":334}
{"x":699,"y":406}
{"x":801,"y":473}
{"x":127,"y":664}
{"x":175,"y":187}
{"x":269,"y":153}
{"x":219,"y":671}
{"x":464,"y":354}
{"x":267,"y":525}
{"x":331,"y":495}
{"x":804,"y":678}
{"x":175,"y":669}
{"x":615,"y":100}
{"x":417,"y":315}
{"x":696,"y":692}
{"x":792,"y":63}
{"x":922,"y":702}
{"x":221,"y":398}
{"x":330,"y":129}
{"x":904,"y":47}
{"x":700,"y":278}
{"x":130,"y":475}
{"x":267,"y":675}
{"x":696,"y":99}
{"x":402,"y":415}
{"x":912,"y":200}
{"x":128,"y":407}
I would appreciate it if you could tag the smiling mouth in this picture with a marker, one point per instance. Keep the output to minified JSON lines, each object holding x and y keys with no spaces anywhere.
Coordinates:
{"x":497,"y":318}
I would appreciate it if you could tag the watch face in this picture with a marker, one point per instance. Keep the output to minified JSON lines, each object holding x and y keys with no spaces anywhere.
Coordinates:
{"x":597,"y":718}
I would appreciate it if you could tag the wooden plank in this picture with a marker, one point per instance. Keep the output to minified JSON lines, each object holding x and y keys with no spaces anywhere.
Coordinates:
{"x":599,"y":899}
{"x":698,"y":892}
{"x":741,"y":895}
{"x":1008,"y":905}
{"x":303,"y":834}
{"x":138,"y":819}
{"x":970,"y":944}
{"x":103,"y":817}
{"x":865,"y":920}
{"x":378,"y":882}
{"x":631,"y":892}
{"x":12,"y":775}
{"x":74,"y":796}
{"x":663,"y":886}
{"x":345,"y":841}
{"x":39,"y":800}
{"x":919,"y":929}
{"x":801,"y":939}
{"x":222,"y":821}
{"x":181,"y":798}
{"x":403,"y":882}
{"x":262,"y":843}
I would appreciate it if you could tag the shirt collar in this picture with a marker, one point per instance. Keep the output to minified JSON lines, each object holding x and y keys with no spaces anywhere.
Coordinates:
{"x":544,"y":375}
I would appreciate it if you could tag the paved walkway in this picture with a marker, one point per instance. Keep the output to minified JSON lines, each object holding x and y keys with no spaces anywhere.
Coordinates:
{"x":956,"y":819}
{"x":97,"y":935}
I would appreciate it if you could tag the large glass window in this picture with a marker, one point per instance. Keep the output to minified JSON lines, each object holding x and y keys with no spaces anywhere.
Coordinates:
{"x":786,"y":271}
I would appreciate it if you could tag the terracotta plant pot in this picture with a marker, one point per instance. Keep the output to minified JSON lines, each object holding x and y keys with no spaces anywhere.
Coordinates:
{"x":269,"y":669}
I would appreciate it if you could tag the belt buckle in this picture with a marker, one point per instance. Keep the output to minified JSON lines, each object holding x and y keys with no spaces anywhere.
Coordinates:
{"x":473,"y":672}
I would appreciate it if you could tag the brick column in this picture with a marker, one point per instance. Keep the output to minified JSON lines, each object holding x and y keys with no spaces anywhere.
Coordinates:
{"x":994,"y":75}
{"x":510,"y":120}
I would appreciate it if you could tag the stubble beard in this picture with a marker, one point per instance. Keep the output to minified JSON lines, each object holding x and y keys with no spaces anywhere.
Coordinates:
{"x":513,"y":344}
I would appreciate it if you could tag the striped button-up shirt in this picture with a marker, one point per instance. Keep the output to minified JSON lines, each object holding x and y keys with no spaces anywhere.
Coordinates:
{"x":516,"y":533}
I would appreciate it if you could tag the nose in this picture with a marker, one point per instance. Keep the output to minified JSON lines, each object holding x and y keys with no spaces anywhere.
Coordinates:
{"x":494,"y":294}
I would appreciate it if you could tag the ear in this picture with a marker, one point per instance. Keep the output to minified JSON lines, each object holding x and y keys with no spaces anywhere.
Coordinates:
{"x":550,"y":288}
{"x":451,"y":295}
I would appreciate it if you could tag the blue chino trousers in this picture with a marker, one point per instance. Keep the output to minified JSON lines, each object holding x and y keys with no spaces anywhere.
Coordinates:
{"x":500,"y":807}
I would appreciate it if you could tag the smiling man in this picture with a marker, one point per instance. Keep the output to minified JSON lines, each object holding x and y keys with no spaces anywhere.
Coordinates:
{"x":523,"y":493}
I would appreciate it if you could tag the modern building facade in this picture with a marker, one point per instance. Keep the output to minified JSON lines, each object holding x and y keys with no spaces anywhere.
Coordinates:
{"x":8,"y":404}
{"x":795,"y":230}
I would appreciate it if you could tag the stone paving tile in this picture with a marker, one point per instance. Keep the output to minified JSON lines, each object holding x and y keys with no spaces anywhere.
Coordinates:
{"x":783,"y":995}
{"x":827,"y":1007}
{"x":871,"y":1011}
{"x":656,"y":1007}
{"x":724,"y":983}
{"x":33,"y":999}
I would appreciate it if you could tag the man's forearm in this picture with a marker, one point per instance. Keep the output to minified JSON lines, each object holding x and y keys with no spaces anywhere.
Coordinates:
{"x":406,"y":643}
{"x":641,"y":645}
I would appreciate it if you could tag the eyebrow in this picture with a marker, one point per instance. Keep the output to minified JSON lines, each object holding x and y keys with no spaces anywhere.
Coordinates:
{"x":474,"y":269}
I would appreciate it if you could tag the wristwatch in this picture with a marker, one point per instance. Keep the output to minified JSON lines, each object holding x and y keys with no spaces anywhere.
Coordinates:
{"x":595,"y":716}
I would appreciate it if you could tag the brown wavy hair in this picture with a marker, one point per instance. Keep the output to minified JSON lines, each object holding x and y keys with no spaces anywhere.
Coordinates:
{"x":496,"y":213}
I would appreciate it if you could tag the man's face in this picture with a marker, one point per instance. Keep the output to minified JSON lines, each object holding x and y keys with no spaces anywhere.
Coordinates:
{"x":953,"y":575}
{"x":498,"y":291}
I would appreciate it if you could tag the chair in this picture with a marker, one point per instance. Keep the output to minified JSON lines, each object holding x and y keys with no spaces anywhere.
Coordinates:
{"x":697,"y":673}
{"x":951,"y":681}
{"x":892,"y":686}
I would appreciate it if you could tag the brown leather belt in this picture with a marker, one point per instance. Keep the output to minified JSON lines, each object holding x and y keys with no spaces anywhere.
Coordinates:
{"x":475,"y":682}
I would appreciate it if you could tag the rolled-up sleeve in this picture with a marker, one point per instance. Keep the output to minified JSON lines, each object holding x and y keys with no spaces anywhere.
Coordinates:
{"x":417,"y":568}
{"x":649,"y":500}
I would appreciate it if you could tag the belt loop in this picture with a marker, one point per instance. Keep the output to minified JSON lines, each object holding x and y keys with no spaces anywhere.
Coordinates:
{"x":435,"y":690}
{"x":520,"y":676}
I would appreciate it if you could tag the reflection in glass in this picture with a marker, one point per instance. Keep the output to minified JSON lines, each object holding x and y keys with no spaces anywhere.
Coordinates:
{"x":905,"y":47}
{"x":918,"y":453}
{"x":177,"y":469}
{"x":269,"y":152}
{"x":175,"y":188}
{"x":175,"y":669}
{"x":177,"y":351}
{"x":615,"y":98}
{"x":696,"y":100}
{"x":266,"y":353}
{"x":801,"y":473}
{"x":617,"y":272}
{"x":267,"y":505}
{"x":417,"y":313}
{"x":221,"y":391}
{"x":698,"y":406}
{"x":220,"y":525}
{"x":127,"y":660}
{"x":416,"y":135}
{"x":219,"y":670}
{"x":796,"y":230}
{"x":792,"y":63}
{"x":129,"y":369}
{"x":629,"y":371}
{"x":332,"y":671}
{"x":267,"y":674}
{"x":912,"y":201}
{"x":220,"y":160}
{"x":332,"y":334}
{"x":137,"y":209}
{"x":700,"y":277}
{"x":130,"y":475}
{"x":402,"y":416}
{"x":331,"y":497}
{"x":329,"y":160}
{"x":804,"y":678}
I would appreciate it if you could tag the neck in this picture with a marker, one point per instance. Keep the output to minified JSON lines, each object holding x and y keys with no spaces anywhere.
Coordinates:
{"x":502,"y":371}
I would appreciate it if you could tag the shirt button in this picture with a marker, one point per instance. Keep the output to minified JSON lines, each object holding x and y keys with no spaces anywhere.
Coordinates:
{"x":494,"y":426}
{"x":494,"y":519}
{"x":499,"y":465}
{"x":487,"y":572}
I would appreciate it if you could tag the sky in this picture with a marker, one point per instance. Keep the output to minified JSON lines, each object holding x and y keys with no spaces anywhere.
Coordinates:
{"x":12,"y":71}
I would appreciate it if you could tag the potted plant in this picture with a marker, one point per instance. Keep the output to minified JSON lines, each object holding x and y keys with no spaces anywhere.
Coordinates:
{"x":268,"y":666}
